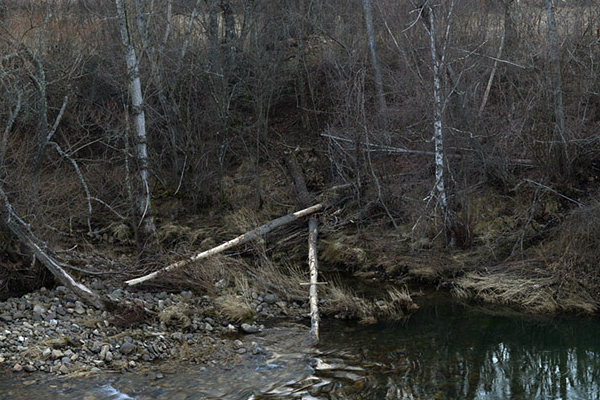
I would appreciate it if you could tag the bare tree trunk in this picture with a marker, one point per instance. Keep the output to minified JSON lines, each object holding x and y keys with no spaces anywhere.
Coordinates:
{"x":555,"y":71}
{"x":145,"y":227}
{"x":438,"y":118}
{"x":381,"y":103}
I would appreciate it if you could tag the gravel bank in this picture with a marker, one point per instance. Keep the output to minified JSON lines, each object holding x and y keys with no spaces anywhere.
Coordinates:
{"x":54,"y":332}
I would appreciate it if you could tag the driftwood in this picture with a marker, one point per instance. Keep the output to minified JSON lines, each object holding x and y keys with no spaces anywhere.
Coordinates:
{"x":16,"y":226}
{"x":246,"y":237}
{"x":313,"y":230}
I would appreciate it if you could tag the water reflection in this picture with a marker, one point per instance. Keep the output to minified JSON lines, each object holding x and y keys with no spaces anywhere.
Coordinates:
{"x":448,"y":351}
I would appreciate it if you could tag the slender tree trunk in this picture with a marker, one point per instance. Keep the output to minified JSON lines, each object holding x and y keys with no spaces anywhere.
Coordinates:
{"x":145,"y":227}
{"x":438,"y":118}
{"x":381,"y":103}
{"x":555,"y":71}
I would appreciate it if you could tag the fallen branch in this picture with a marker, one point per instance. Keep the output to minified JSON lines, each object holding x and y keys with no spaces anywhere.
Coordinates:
{"x":245,"y":238}
{"x":18,"y":228}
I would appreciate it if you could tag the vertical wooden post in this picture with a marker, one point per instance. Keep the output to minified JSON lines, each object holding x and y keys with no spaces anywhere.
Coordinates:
{"x":313,"y":229}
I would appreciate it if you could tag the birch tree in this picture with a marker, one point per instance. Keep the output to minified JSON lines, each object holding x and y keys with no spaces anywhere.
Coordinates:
{"x":438,"y":59}
{"x":146,"y":229}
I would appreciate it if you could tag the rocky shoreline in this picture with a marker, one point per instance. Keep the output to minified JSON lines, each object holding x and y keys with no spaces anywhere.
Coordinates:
{"x":52,"y":331}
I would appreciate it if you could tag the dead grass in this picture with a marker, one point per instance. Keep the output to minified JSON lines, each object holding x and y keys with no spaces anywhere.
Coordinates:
{"x":526,"y":285}
{"x":235,"y":308}
{"x":342,"y":302}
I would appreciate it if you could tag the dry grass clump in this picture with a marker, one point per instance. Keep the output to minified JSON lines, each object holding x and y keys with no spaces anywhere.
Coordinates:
{"x":526,"y":285}
{"x":343,"y":303}
{"x":235,"y":308}
{"x":342,"y":252}
{"x":575,"y":252}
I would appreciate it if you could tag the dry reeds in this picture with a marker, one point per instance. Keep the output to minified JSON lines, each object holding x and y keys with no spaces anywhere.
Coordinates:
{"x":343,"y":303}
{"x":526,"y":285}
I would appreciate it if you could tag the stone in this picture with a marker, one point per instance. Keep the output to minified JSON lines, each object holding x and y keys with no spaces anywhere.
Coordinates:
{"x":257,"y":349}
{"x":270,"y":298}
{"x":6,"y":318}
{"x":63,"y":369}
{"x":237,"y":344}
{"x":247,"y":328}
{"x":39,"y":309}
{"x":46,"y":353}
{"x":127,"y":348}
{"x":18,"y":315}
{"x":50,"y":316}
{"x":178,"y":336}
{"x":56,"y":353}
{"x":96,"y":347}
{"x":116,"y":295}
{"x":103,"y":352}
{"x":221,"y":284}
{"x":17,"y":368}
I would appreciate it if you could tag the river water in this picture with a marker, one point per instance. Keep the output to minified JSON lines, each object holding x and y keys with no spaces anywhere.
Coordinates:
{"x":446,"y":350}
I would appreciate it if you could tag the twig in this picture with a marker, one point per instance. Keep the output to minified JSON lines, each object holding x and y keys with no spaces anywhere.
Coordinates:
{"x":580,"y":204}
{"x":80,"y":175}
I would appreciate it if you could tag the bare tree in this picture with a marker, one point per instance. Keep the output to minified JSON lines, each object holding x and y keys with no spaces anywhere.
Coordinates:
{"x":556,"y":74}
{"x":381,"y":103}
{"x":145,"y":226}
{"x":438,"y":59}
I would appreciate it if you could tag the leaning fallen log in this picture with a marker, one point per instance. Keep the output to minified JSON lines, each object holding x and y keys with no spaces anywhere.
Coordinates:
{"x":16,"y":226}
{"x":245,"y":238}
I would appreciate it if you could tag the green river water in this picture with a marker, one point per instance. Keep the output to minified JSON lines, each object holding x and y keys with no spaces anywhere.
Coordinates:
{"x":446,"y":350}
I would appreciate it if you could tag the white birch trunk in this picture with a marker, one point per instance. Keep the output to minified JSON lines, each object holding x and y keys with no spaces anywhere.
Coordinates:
{"x":438,"y":115}
{"x":146,"y":227}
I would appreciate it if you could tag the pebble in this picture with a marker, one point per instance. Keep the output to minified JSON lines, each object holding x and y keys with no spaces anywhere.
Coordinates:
{"x":56,"y":353}
{"x":247,"y":328}
{"x":46,"y":353}
{"x":127,"y":348}
{"x":38,"y":309}
{"x":30,"y":368}
{"x":270,"y":298}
